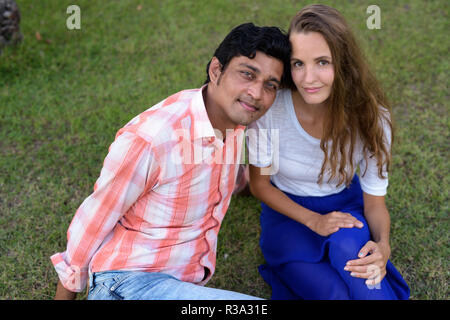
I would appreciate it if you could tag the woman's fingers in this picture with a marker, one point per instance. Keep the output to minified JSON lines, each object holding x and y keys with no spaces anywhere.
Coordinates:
{"x":370,"y":259}
{"x":355,"y":221}
{"x":371,"y":267}
{"x":372,"y":273}
{"x":370,"y":246}
{"x":333,"y":221}
{"x":377,"y":278}
{"x":345,"y":220}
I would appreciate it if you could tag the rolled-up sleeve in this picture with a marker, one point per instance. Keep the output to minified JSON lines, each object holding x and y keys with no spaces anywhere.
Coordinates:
{"x":129,"y":169}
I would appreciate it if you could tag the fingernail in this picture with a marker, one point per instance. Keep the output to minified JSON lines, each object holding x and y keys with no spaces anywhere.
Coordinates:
{"x":352,"y":274}
{"x":346,"y":268}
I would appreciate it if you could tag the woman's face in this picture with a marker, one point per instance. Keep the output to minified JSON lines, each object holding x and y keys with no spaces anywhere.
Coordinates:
{"x":311,"y":66}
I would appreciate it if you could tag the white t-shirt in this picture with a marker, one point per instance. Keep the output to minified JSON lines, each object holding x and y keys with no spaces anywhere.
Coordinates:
{"x":278,"y":140}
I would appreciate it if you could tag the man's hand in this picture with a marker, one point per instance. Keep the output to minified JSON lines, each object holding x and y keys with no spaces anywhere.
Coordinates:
{"x":64,"y":294}
{"x":371,"y":267}
{"x":329,"y":223}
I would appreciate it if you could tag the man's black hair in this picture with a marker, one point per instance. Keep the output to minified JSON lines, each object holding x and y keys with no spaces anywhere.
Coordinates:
{"x":246,"y":39}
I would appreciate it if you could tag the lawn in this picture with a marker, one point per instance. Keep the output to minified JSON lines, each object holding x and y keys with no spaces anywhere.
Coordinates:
{"x":65,"y":93}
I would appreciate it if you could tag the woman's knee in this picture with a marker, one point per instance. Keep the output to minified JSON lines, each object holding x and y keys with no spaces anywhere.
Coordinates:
{"x":346,"y":243}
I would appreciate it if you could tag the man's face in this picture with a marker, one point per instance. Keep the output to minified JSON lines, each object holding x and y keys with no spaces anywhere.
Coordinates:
{"x":246,"y":89}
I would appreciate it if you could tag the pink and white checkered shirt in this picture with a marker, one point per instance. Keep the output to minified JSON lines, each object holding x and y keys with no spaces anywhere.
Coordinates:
{"x":162,"y":193}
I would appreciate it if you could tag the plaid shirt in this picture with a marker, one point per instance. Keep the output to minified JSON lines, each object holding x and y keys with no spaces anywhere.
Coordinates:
{"x":158,"y":204}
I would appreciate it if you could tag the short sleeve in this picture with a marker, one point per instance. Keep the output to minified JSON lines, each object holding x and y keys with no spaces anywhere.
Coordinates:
{"x":259,"y":142}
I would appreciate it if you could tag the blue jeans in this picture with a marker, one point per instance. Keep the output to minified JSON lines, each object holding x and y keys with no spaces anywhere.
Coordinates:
{"x":134,"y":285}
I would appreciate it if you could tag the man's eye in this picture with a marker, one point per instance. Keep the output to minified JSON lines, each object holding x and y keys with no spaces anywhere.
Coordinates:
{"x":272,"y":86}
{"x":247,"y":74}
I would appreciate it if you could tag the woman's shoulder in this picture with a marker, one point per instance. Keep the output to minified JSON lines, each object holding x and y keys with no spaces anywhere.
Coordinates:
{"x":278,"y":112}
{"x":283,"y":97}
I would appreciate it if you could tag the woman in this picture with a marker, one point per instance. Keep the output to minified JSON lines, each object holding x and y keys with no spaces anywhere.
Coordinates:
{"x":324,"y":230}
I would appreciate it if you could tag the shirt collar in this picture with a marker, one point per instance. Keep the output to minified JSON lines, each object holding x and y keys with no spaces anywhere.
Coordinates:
{"x":202,"y":125}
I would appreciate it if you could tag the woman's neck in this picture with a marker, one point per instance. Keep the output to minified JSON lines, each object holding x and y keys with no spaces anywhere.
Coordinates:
{"x":311,"y":113}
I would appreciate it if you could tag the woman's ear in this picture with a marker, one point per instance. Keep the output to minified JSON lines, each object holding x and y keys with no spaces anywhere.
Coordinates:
{"x":215,"y":70}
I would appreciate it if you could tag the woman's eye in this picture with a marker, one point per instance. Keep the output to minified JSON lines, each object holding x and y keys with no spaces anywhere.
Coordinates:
{"x":297,"y":64}
{"x":323,"y":62}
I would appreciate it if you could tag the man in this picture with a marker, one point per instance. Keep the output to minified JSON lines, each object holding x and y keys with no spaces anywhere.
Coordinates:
{"x":149,"y":229}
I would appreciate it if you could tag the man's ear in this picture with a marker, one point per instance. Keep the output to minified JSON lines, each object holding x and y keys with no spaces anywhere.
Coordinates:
{"x":215,"y":70}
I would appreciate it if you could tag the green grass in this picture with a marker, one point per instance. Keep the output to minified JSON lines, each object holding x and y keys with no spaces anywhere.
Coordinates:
{"x":62,"y":101}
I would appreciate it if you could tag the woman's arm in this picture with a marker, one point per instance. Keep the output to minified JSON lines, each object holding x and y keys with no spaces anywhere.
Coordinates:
{"x":373,"y":266}
{"x":324,"y":225}
{"x":377,"y":217}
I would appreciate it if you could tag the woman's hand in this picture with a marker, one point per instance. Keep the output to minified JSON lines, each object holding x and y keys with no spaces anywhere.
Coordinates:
{"x":371,"y":267}
{"x":329,"y":223}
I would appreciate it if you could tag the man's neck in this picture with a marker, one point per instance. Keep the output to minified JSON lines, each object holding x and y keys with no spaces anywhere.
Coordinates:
{"x":215,"y":113}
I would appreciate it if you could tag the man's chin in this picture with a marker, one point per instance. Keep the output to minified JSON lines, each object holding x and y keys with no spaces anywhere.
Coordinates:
{"x":244,"y":119}
{"x":245,"y":122}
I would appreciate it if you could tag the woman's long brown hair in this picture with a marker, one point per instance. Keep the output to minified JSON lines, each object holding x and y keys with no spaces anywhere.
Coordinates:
{"x":356,"y":107}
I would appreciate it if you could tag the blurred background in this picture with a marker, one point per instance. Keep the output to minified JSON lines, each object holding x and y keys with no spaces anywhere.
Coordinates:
{"x":64,"y":94}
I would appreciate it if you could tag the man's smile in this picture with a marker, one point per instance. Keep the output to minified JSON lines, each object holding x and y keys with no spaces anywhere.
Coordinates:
{"x":248,"y":106}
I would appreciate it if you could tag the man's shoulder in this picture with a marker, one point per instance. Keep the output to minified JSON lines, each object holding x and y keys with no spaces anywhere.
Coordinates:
{"x":169,"y":107}
{"x":158,"y":121}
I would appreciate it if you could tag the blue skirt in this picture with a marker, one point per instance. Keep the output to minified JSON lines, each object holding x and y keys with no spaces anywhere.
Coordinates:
{"x":301,"y":264}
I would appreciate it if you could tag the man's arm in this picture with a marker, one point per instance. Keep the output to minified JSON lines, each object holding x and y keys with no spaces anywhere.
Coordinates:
{"x":128,"y":170}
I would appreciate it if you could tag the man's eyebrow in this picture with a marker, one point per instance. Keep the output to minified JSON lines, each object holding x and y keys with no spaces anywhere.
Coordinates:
{"x":275,"y":80}
{"x":256,"y":70}
{"x":250,"y":67}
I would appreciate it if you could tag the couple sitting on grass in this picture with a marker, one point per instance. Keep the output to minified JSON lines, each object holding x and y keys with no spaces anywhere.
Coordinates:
{"x":149,"y":230}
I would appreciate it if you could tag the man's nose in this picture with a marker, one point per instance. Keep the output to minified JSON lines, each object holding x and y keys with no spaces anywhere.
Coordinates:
{"x":255,"y":90}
